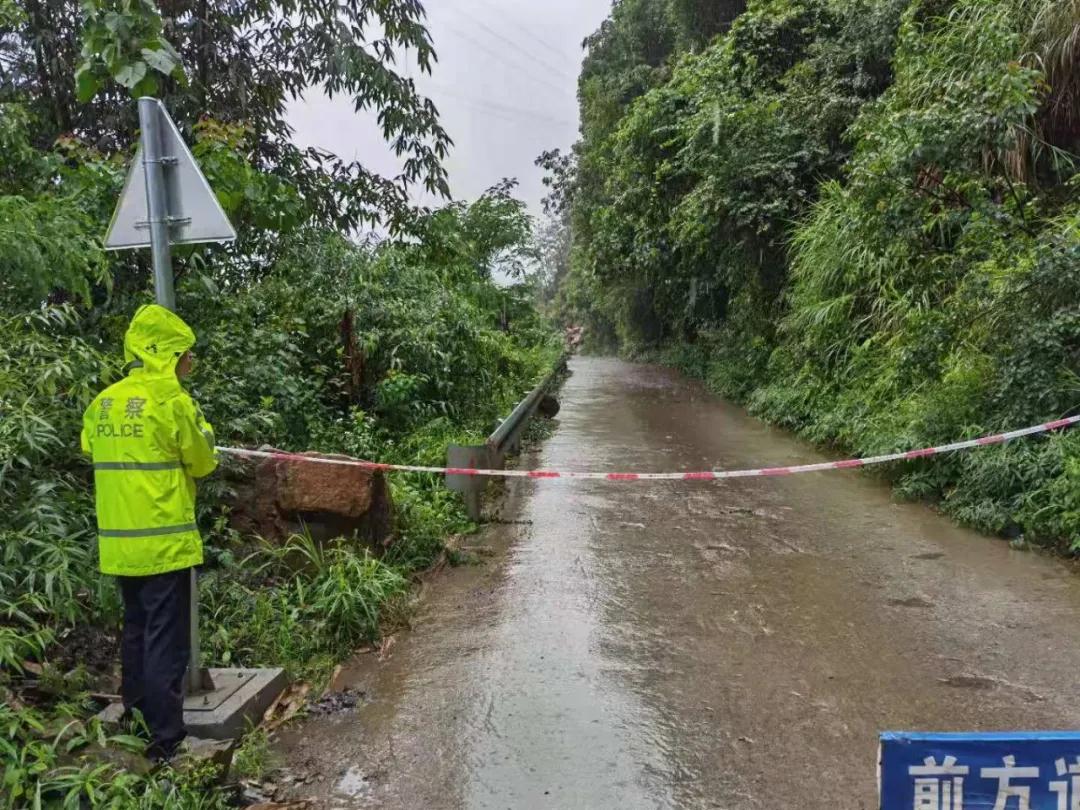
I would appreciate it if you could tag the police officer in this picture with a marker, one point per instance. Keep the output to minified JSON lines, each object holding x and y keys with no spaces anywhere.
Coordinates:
{"x":149,"y":442}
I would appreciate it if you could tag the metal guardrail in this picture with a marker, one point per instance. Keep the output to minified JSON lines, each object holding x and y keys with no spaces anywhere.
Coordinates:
{"x":505,"y":440}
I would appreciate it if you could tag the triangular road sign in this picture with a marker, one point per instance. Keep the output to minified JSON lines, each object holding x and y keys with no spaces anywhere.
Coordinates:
{"x":194,"y":212}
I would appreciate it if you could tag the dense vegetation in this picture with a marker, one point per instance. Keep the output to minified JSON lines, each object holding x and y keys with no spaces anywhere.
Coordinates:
{"x":308,"y":339}
{"x":859,"y":216}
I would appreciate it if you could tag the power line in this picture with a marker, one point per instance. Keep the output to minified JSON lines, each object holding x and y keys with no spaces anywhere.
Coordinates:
{"x":530,"y":34}
{"x":519,"y":48}
{"x":502,"y":58}
{"x":503,"y":110}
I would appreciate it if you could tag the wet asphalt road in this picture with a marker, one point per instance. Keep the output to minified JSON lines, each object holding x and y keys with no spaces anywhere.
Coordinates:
{"x":692,"y":644}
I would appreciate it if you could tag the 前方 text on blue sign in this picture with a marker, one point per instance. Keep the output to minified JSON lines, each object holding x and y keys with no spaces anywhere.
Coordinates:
{"x":986,"y":771}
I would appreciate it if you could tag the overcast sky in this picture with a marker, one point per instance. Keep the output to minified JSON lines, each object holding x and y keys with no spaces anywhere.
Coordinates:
{"x":505,"y":85}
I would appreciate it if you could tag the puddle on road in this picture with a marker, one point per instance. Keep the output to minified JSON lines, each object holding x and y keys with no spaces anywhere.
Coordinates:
{"x":354,"y":784}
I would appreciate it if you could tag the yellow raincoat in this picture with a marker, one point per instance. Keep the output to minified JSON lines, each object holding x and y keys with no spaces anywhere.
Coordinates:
{"x":149,"y":442}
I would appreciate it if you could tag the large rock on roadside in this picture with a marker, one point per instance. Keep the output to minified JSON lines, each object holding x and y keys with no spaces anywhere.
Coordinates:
{"x":278,"y":496}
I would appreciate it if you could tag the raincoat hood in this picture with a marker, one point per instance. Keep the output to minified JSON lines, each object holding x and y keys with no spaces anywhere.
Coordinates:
{"x":155,"y":340}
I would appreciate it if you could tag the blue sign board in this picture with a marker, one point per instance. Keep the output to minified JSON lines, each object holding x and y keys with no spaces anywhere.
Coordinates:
{"x":987,"y":771}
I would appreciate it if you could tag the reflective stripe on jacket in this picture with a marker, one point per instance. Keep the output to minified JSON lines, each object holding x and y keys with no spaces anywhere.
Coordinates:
{"x":149,"y":442}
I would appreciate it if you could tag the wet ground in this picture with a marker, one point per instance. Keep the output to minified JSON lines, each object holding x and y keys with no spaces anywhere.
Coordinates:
{"x":692,"y":644}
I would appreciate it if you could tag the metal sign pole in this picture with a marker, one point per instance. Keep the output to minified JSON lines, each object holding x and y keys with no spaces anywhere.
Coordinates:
{"x":154,"y":163}
{"x":156,"y":200}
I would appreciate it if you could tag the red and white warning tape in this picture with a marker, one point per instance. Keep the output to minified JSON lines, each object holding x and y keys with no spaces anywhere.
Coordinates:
{"x":708,"y":475}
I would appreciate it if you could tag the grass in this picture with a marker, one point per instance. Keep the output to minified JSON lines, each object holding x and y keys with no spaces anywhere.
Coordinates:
{"x":254,"y":759}
{"x":299,"y":604}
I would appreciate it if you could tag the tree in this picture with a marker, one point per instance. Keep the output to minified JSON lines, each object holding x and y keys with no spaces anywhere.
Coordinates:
{"x":623,"y":59}
{"x":698,"y":21}
{"x":76,"y":67}
{"x":491,"y":235}
{"x":554,"y":237}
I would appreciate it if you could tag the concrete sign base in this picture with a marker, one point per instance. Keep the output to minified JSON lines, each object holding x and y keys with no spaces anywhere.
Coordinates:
{"x":237,"y":703}
{"x":239,"y":698}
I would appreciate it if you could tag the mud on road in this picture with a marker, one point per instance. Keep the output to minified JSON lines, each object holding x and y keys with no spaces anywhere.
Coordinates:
{"x":692,"y":644}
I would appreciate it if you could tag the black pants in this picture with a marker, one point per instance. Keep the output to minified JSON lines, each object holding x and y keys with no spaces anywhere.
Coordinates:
{"x":154,"y":654}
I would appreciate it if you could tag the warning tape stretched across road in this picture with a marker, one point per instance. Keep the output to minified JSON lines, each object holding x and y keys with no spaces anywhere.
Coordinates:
{"x":708,"y":475}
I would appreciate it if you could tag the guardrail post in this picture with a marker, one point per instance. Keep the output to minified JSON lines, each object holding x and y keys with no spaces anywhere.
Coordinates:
{"x":468,"y":457}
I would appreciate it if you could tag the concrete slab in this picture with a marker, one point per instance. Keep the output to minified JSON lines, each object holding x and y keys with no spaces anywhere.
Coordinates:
{"x":239,"y":699}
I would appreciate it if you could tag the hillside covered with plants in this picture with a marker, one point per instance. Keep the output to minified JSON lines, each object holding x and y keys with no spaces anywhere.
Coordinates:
{"x":309,"y":339}
{"x":860,"y":218}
